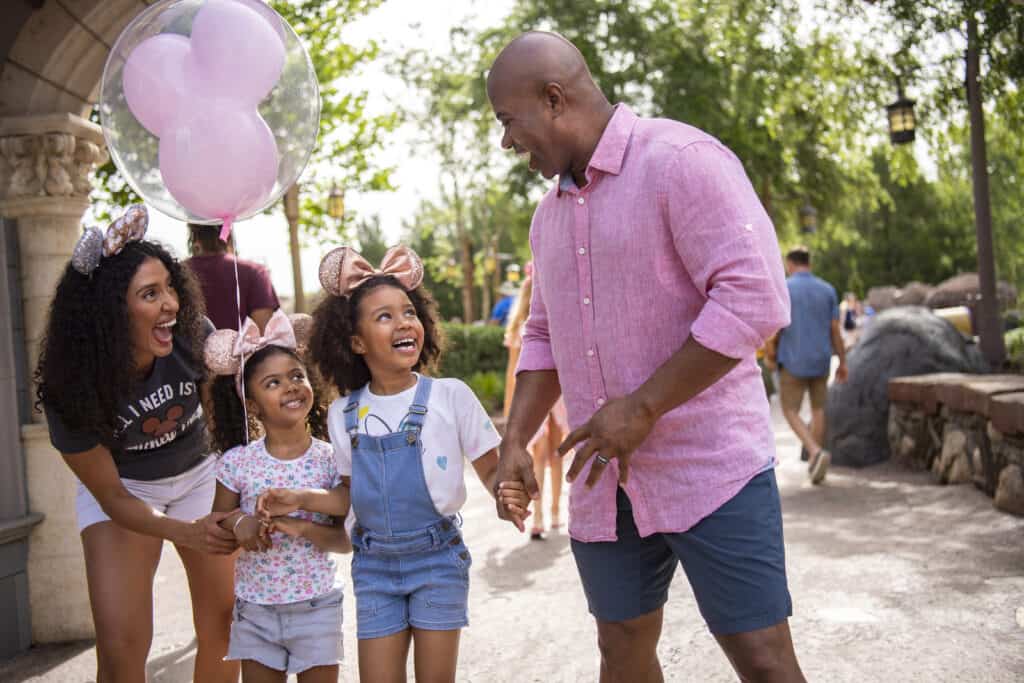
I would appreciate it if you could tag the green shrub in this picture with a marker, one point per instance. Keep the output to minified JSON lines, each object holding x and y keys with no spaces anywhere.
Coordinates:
{"x":1014,"y":340}
{"x":473,"y":349}
{"x":489,"y":387}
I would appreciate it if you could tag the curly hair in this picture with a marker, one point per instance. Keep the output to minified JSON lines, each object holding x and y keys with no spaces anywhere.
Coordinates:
{"x":227,"y":419}
{"x":86,"y":367}
{"x":334,"y":324}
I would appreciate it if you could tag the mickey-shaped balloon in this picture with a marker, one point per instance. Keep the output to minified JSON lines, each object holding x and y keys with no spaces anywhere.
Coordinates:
{"x":207,"y":109}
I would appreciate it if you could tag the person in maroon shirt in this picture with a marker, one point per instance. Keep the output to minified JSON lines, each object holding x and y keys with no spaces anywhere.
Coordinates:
{"x":213,"y":264}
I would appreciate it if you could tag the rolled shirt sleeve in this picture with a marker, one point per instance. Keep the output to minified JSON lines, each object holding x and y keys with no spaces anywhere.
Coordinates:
{"x":728,"y":246}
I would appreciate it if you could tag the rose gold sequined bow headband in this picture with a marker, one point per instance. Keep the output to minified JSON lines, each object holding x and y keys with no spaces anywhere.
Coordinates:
{"x":93,"y":246}
{"x":343,"y":269}
{"x":225,"y":351}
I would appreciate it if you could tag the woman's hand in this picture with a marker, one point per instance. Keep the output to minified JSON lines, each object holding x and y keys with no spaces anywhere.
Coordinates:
{"x":206,"y":534}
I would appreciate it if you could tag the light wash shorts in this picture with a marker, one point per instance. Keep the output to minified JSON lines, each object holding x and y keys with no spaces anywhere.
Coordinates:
{"x":419,"y":580}
{"x":186,"y":496}
{"x":292,"y":637}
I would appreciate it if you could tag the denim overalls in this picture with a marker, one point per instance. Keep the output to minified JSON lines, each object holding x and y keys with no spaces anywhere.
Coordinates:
{"x":409,"y":564}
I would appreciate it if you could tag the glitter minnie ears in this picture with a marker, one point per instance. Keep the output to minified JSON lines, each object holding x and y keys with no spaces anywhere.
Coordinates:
{"x":225,"y":351}
{"x":344,"y":269}
{"x":93,"y":245}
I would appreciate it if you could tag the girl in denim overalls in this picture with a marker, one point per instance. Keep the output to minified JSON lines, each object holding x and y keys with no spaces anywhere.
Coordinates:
{"x":399,"y":441}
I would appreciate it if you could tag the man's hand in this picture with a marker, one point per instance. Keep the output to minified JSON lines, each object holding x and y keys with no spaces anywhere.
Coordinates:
{"x":515,"y":468}
{"x":614,"y":431}
{"x":277,"y":502}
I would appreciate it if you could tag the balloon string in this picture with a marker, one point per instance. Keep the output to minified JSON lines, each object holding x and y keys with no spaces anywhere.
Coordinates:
{"x":238,"y":305}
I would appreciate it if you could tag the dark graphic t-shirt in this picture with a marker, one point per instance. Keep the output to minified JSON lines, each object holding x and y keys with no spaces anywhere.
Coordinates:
{"x":161,"y":430}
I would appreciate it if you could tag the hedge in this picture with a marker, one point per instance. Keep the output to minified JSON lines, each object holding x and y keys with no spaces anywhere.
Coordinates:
{"x":475,"y":354}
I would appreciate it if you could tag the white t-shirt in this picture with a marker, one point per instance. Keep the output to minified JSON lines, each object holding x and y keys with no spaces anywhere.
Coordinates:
{"x":456,"y":428}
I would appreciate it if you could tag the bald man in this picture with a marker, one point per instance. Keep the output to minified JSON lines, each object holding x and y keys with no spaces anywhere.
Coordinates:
{"x":657,"y":276}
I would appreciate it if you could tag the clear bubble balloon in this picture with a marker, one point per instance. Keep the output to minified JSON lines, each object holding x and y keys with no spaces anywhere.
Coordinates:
{"x":210,"y":108}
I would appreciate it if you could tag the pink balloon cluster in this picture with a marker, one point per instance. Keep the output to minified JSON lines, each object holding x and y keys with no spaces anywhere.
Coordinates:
{"x":198,"y":95}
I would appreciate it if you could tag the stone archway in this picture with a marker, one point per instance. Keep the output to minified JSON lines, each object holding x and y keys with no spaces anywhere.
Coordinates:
{"x":53,"y":54}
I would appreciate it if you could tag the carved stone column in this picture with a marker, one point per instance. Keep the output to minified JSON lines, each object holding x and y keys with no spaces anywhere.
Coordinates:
{"x":45,"y":167}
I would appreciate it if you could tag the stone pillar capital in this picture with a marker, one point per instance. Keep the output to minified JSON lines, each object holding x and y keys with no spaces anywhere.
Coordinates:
{"x":46,"y":163}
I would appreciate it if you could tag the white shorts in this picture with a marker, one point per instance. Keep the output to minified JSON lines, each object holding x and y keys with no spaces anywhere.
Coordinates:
{"x":186,"y":496}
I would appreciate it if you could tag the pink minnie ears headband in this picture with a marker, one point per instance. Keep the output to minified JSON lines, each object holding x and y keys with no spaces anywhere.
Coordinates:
{"x":93,"y":245}
{"x":225,"y":351}
{"x":343,"y":269}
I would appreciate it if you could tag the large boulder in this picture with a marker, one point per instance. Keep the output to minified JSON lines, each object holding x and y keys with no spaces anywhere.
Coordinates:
{"x":882,"y":297}
{"x":913,"y":294}
{"x":964,"y":290}
{"x":906,"y":340}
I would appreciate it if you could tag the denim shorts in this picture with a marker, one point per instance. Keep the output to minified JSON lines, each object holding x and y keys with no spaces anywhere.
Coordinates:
{"x":419,"y":580}
{"x":292,"y":637}
{"x":734,"y":559}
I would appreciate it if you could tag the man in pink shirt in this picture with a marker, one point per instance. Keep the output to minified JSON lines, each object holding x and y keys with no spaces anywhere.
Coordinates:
{"x":657,"y":276}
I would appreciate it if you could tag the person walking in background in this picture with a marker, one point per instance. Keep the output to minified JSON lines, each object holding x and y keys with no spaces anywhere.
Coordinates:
{"x":804,"y":356}
{"x":544,"y":445}
{"x":213,"y":263}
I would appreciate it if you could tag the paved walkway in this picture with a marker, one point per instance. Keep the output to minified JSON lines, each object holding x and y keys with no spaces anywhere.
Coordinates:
{"x":893,"y":578}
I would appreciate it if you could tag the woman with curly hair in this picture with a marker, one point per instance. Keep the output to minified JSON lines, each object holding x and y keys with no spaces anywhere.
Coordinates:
{"x":118,"y":378}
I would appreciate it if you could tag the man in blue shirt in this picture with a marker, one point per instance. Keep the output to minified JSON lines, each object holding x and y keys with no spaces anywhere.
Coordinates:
{"x":804,"y":355}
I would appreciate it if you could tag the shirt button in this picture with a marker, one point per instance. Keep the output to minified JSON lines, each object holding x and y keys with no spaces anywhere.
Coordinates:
{"x":600,"y":401}
{"x":582,"y":251}
{"x":586,"y":301}
{"x":581,"y":201}
{"x":590,"y":352}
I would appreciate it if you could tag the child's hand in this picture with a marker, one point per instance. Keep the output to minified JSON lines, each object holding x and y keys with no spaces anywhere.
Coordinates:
{"x":293,"y":526}
{"x":513,"y":496}
{"x":250,"y":534}
{"x":277,"y":502}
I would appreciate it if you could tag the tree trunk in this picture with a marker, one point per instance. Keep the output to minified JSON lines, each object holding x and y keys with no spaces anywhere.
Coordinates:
{"x":291,"y":212}
{"x":465,"y":254}
{"x":988,"y":326}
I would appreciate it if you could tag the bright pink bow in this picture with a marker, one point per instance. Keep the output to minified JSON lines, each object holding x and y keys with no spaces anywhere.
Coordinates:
{"x":344,"y":269}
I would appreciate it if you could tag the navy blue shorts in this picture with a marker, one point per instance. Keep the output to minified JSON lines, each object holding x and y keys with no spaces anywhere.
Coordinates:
{"x":734,"y":559}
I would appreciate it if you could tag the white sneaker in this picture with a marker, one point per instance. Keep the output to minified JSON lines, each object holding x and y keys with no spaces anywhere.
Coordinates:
{"x":819,"y":466}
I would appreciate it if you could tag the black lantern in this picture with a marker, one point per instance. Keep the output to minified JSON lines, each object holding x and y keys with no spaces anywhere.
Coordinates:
{"x":808,"y":219}
{"x":901,"y":120}
{"x":336,"y":203}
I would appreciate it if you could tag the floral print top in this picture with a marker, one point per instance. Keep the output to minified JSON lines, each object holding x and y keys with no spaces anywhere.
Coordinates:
{"x":293,"y":569}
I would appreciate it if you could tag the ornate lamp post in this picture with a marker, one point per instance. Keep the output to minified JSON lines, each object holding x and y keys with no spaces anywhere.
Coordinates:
{"x":336,"y":203}
{"x":901,"y":119}
{"x":808,"y":219}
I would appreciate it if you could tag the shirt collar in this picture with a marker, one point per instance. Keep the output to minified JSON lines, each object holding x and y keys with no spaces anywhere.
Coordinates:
{"x":611,"y":148}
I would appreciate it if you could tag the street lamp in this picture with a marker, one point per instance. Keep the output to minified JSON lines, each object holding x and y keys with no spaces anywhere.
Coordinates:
{"x":901,"y":119}
{"x":336,"y":203}
{"x":808,"y":219}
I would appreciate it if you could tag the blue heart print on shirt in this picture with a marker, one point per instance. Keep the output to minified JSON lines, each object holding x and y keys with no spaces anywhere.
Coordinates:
{"x":442,"y":462}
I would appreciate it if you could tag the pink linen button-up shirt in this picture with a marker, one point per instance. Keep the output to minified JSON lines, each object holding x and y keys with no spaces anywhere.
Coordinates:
{"x":667,"y":240}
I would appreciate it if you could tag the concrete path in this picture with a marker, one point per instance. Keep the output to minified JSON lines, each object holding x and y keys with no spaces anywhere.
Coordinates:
{"x":893,"y":579}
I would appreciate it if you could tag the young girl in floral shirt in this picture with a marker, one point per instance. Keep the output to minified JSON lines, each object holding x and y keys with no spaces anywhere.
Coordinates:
{"x":287,"y":616}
